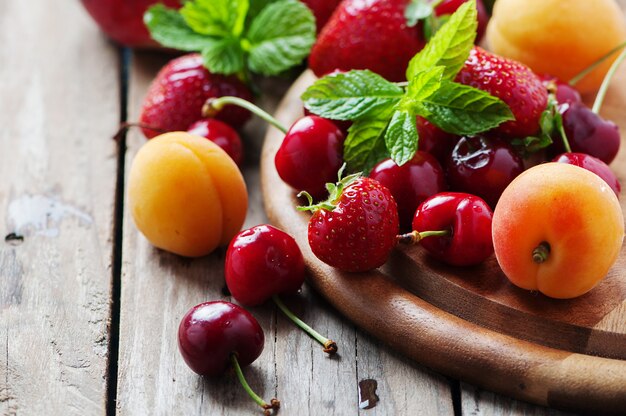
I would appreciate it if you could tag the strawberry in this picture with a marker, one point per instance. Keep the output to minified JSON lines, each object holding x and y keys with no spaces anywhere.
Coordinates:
{"x":514,"y":83}
{"x":367,"y":34}
{"x":355,"y":230}
{"x":175,"y":97}
{"x":322,"y":10}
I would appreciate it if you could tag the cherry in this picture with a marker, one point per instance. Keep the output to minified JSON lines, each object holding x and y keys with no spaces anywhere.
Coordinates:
{"x":565,"y":93}
{"x":263,"y":262}
{"x":411,"y":183}
{"x":483,"y":167}
{"x":454,"y":227}
{"x":592,"y":164}
{"x":434,"y":140}
{"x":213,"y":336}
{"x":222,"y":135}
{"x":450,"y":6}
{"x":589,"y":133}
{"x":343,"y":125}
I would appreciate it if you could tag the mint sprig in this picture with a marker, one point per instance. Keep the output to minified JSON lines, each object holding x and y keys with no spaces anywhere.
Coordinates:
{"x":384,"y":113}
{"x":237,"y":36}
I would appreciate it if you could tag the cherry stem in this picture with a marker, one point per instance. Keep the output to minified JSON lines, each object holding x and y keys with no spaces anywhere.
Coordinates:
{"x":330,"y":346}
{"x":274,"y":404}
{"x":541,"y":252}
{"x":582,"y":74}
{"x":597,"y":104}
{"x":415,"y":237}
{"x":213,"y":106}
{"x":568,"y":148}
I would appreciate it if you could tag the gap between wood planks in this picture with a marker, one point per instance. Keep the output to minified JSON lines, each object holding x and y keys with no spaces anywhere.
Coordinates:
{"x":118,"y":227}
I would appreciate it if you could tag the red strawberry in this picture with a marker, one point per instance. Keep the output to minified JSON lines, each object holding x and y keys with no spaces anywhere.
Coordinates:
{"x":356,"y":230}
{"x":175,"y":97}
{"x":367,"y":34}
{"x":322,"y":10}
{"x":512,"y":82}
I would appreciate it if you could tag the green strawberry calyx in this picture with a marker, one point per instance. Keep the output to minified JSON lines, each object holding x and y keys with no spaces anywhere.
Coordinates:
{"x":335,"y":190}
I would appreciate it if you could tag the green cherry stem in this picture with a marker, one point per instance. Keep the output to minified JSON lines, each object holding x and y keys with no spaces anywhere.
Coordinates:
{"x":568,"y":148}
{"x":214,"y":105}
{"x":597,"y":104}
{"x":582,"y":74}
{"x":330,"y":346}
{"x":274,"y":404}
{"x":415,"y":237}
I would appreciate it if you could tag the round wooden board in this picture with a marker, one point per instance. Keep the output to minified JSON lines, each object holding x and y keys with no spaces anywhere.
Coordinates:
{"x":471,"y":323}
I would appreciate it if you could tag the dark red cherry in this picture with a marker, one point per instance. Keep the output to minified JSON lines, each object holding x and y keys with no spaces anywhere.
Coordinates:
{"x":592,"y":164}
{"x":222,"y":135}
{"x":211,"y":332}
{"x":589,"y":133}
{"x":261,"y":262}
{"x":565,"y":93}
{"x":455,"y":228}
{"x":483,"y":167}
{"x":450,"y":6}
{"x":434,"y":140}
{"x":310,"y":155}
{"x":411,"y":183}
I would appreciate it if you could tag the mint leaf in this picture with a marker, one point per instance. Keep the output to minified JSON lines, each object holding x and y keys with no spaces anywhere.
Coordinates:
{"x":168,"y":28}
{"x":365,"y":145}
{"x":223,"y":56}
{"x":464,"y":110}
{"x":280,"y":37}
{"x":220,"y":18}
{"x":255,"y":8}
{"x":450,"y":46}
{"x":351,"y":95}
{"x":401,"y":137}
{"x":417,"y":10}
{"x":423,"y":85}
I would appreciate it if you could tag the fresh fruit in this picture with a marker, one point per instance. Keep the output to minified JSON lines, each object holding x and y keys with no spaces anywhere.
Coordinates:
{"x":310,"y":155}
{"x":355,"y":230}
{"x":558,"y":37}
{"x":122,"y":20}
{"x":513,"y":83}
{"x":565,"y":93}
{"x":483,"y":167}
{"x":370,"y":35}
{"x":447,"y":7}
{"x":221,"y":134}
{"x":264,"y":262}
{"x":186,"y":194}
{"x":557,"y":229}
{"x":214,"y":336}
{"x":411,"y":183}
{"x":453,"y":227}
{"x":592,"y":164}
{"x":433,"y":140}
{"x":322,"y":10}
{"x":175,"y":97}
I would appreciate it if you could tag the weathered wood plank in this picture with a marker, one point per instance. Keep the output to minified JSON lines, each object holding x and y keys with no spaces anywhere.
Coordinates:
{"x":58,"y":108}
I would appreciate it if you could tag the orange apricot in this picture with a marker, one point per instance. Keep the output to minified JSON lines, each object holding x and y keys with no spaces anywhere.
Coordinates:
{"x":557,"y":37}
{"x":186,"y":194}
{"x":558,"y":229}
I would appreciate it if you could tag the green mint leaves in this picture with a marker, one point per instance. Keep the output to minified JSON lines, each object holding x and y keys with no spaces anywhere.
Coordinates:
{"x":384,"y":113}
{"x":237,"y":36}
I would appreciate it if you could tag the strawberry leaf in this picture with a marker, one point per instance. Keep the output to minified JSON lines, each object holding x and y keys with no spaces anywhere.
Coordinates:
{"x":169,"y":28}
{"x":351,"y":95}
{"x":450,"y":46}
{"x":223,"y":56}
{"x":401,"y":136}
{"x":365,"y":145}
{"x":216,"y":18}
{"x":464,"y":110}
{"x":280,"y":37}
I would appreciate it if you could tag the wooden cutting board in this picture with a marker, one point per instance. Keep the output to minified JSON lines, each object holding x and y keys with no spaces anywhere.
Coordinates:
{"x":471,"y":323}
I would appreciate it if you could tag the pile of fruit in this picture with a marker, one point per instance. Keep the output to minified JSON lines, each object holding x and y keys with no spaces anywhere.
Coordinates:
{"x":433,"y":140}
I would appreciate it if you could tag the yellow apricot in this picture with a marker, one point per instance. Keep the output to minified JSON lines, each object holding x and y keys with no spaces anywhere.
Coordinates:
{"x":558,"y":229}
{"x":186,"y":194}
{"x":558,"y":37}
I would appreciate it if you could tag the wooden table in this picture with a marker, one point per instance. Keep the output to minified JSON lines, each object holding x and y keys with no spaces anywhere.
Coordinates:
{"x":89,"y":310}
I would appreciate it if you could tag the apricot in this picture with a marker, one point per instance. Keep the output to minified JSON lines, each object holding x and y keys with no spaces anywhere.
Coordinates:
{"x":557,"y":229}
{"x":558,"y":37}
{"x":186,"y":195}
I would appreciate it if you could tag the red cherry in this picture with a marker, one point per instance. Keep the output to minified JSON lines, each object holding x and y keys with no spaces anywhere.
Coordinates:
{"x":211,"y":332}
{"x":222,"y":135}
{"x":310,"y":155}
{"x":456,"y":228}
{"x":450,"y":6}
{"x":483,"y":167}
{"x":411,"y":183}
{"x":434,"y":140}
{"x":343,"y":125}
{"x":592,"y":164}
{"x":261,"y":262}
